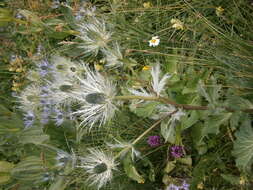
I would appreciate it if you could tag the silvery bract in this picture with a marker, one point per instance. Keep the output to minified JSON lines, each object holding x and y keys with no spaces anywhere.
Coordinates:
{"x":95,"y":95}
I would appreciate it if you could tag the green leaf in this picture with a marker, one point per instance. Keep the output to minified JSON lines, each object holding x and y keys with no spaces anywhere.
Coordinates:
{"x":186,"y":160}
{"x":168,"y":131}
{"x":171,"y":63}
{"x":145,"y":110}
{"x":33,"y":135}
{"x":131,"y":170}
{"x":197,"y":137}
{"x":213,"y":123}
{"x":243,"y":146}
{"x":4,"y":178}
{"x":170,"y":166}
{"x":30,"y":16}
{"x":187,"y":122}
{"x":234,"y":180}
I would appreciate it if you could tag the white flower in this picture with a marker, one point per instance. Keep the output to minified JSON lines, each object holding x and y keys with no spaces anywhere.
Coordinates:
{"x":94,"y":35}
{"x":96,"y":97}
{"x":154,"y":41}
{"x":157,"y":84}
{"x":99,"y":166}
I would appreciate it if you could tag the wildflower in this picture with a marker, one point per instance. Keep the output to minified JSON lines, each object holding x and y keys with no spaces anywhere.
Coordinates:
{"x":154,"y":41}
{"x":172,"y":187}
{"x":65,"y":67}
{"x":177,"y":151}
{"x":185,"y":186}
{"x":99,"y":166}
{"x":96,"y":97}
{"x":114,"y":56}
{"x":58,"y":117}
{"x":94,"y":35}
{"x":154,"y":141}
{"x":62,"y":158}
{"x":29,"y":98}
{"x":147,"y":5}
{"x":44,"y":68}
{"x":177,"y":24}
{"x":219,"y":11}
{"x":29,"y":118}
{"x":146,"y":68}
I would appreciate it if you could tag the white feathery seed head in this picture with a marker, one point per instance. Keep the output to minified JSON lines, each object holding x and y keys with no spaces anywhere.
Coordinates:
{"x":99,"y":166}
{"x":94,"y":35}
{"x":95,"y":95}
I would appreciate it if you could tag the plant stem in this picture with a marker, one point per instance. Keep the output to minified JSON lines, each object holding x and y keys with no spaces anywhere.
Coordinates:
{"x":170,"y":102}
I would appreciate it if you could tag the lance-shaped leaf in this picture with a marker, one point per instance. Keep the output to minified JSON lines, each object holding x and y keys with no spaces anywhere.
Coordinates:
{"x":243,"y":146}
{"x":131,"y":171}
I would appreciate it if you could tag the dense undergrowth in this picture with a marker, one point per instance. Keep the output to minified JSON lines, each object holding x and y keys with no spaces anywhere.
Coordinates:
{"x":126,"y":94}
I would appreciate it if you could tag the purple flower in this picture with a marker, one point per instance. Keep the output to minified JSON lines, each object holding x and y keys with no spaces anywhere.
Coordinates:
{"x":172,"y":187}
{"x":29,"y":118}
{"x":154,"y":141}
{"x":44,"y":67}
{"x":185,"y":186}
{"x":59,"y":117}
{"x":177,"y":151}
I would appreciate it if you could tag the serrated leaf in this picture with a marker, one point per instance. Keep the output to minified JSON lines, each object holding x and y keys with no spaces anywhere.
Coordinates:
{"x":202,"y":91}
{"x":131,"y":171}
{"x":243,"y":146}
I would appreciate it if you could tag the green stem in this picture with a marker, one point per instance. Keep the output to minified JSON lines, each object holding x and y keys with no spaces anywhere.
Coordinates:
{"x":170,"y":102}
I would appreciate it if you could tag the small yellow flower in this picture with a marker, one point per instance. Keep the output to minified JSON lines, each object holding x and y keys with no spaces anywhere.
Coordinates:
{"x":146,"y":68}
{"x":147,"y":5}
{"x":177,"y":24}
{"x":154,"y":41}
{"x":242,"y":181}
{"x":98,"y":67}
{"x":219,"y":11}
{"x":200,"y":186}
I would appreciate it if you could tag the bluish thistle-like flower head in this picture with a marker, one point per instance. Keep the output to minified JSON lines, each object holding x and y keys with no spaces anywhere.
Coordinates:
{"x":44,"y":67}
{"x":154,"y":141}
{"x":29,"y":119}
{"x":58,"y":117}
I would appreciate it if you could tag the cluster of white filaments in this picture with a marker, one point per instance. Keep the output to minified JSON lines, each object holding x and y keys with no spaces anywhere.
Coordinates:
{"x":96,"y":97}
{"x":99,"y":166}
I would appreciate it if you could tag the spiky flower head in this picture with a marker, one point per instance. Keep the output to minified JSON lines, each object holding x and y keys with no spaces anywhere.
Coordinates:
{"x":96,"y":95}
{"x":29,"y":98}
{"x":94,"y":35}
{"x":99,"y":165}
{"x":177,"y":151}
{"x":154,"y":141}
